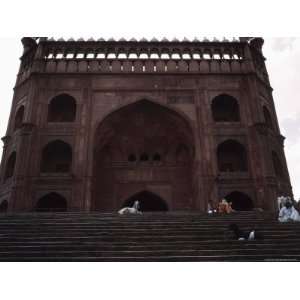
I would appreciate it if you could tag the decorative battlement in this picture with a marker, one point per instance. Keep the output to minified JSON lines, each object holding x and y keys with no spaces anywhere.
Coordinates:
{"x":47,"y":55}
{"x":153,"y":40}
{"x":142,"y":49}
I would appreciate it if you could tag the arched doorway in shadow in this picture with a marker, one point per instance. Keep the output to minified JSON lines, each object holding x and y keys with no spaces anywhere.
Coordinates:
{"x":51,"y":202}
{"x":148,"y":202}
{"x":240,"y":201}
{"x":3,"y":206}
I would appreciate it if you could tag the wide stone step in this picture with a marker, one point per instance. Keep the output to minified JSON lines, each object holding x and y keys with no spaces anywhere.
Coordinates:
{"x":149,"y":237}
{"x":269,"y":245}
{"x":144,"y":230}
{"x":149,"y":253}
{"x":171,"y":258}
{"x":130,"y":240}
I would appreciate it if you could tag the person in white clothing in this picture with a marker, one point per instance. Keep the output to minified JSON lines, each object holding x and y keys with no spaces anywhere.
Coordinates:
{"x":131,"y":210}
{"x":288,"y":213}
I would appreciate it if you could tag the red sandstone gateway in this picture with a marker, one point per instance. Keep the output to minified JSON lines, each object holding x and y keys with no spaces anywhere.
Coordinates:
{"x":96,"y":125}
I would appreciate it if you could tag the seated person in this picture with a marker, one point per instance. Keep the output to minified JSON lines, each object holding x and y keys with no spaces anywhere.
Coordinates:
{"x":241,"y":235}
{"x":288,"y":213}
{"x":225,"y":207}
{"x":210,"y":208}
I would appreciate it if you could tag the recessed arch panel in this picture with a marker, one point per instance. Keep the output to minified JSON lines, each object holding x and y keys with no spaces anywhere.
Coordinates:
{"x":277,"y":165}
{"x":62,"y":108}
{"x":10,"y":166}
{"x":19,"y":117}
{"x":225,"y":108}
{"x":232,"y":157}
{"x":56,"y":157}
{"x":268,"y":118}
{"x":149,"y":144}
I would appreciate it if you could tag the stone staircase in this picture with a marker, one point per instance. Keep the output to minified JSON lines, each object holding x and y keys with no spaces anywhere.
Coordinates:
{"x":168,"y":236}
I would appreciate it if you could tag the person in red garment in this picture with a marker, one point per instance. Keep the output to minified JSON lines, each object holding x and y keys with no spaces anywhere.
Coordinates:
{"x":225,"y":207}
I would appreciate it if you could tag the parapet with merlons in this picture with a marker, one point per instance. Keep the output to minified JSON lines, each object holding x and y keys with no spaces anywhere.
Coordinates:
{"x":44,"y":55}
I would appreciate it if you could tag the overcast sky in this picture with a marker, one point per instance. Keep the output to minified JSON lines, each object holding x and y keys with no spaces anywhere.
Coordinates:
{"x":283,"y":64}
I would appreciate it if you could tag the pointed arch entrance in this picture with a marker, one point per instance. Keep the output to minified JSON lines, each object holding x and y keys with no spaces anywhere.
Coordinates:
{"x":240,"y":201}
{"x":52,"y":202}
{"x":141,"y":145}
{"x":148,"y":201}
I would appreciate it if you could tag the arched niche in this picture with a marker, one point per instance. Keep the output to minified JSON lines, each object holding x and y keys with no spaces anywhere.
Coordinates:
{"x":56,"y":157}
{"x":10,"y":166}
{"x":232,"y":157}
{"x":225,"y":108}
{"x":62,"y":108}
{"x":19,"y":117}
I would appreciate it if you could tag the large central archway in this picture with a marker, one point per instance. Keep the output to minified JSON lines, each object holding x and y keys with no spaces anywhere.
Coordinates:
{"x":143,"y":146}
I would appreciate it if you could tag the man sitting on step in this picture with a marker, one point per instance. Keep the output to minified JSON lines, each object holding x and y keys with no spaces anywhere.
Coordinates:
{"x":288,"y":213}
{"x":131,"y":210}
{"x":241,"y":235}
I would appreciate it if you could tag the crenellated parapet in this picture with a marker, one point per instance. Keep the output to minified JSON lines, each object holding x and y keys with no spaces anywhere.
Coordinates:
{"x":44,"y":55}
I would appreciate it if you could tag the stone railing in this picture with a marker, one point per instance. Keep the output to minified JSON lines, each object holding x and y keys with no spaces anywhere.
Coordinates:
{"x":110,"y":56}
{"x":141,"y":66}
{"x":142,"y":49}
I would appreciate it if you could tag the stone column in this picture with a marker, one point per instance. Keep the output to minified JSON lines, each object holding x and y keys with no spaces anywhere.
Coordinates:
{"x":22,"y":186}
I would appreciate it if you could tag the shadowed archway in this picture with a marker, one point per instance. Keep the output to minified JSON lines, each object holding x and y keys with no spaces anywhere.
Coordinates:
{"x":240,"y":201}
{"x":225,"y":108}
{"x":62,"y":108}
{"x":232,"y":157}
{"x":56,"y":157}
{"x":148,"y":202}
{"x":51,"y":202}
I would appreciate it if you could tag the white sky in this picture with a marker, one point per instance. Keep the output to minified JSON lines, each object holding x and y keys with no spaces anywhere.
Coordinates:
{"x":283,"y":64}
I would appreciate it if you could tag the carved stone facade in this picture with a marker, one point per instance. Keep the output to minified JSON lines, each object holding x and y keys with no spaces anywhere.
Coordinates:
{"x":96,"y":125}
